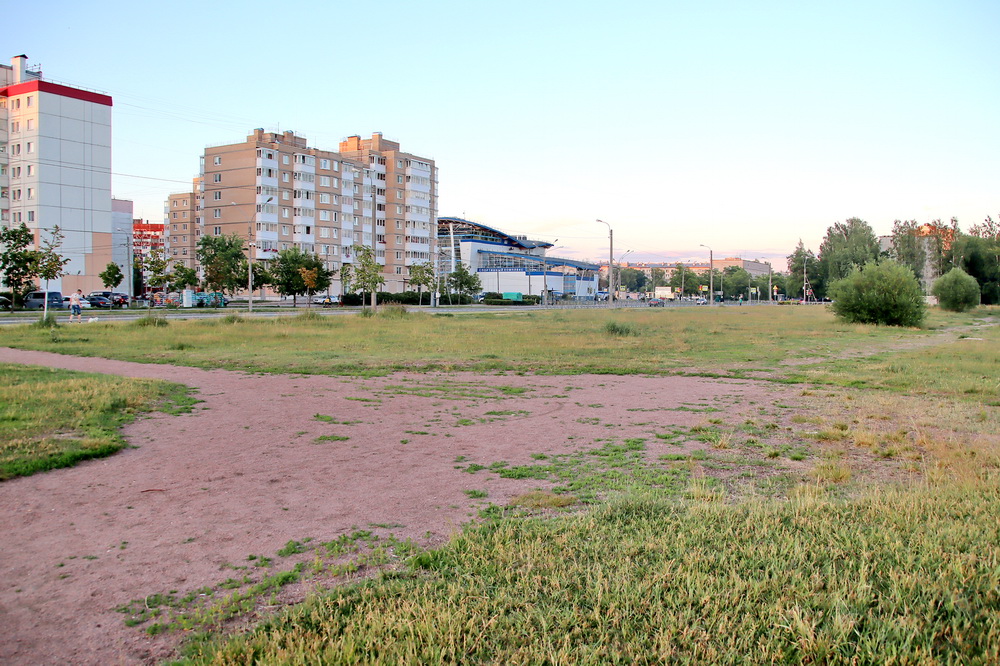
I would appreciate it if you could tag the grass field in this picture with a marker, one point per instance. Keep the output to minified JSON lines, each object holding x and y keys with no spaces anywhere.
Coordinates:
{"x":55,"y":418}
{"x":893,"y":572}
{"x":627,"y":341}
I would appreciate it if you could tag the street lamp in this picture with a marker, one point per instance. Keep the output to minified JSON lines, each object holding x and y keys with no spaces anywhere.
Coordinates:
{"x":251,"y":245}
{"x":611,"y":263}
{"x":128,"y":261}
{"x":621,"y":260}
{"x":711,"y":275}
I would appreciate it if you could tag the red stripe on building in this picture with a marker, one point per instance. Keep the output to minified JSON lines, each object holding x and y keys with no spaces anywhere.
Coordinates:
{"x":37,"y":85}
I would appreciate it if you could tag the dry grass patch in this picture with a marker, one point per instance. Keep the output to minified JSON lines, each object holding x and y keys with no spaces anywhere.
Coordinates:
{"x":543,"y":499}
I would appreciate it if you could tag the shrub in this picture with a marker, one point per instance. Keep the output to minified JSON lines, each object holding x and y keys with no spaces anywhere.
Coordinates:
{"x":46,"y":321}
{"x":392,"y":312}
{"x":885,"y":293}
{"x":956,"y":290}
{"x":621,"y":330}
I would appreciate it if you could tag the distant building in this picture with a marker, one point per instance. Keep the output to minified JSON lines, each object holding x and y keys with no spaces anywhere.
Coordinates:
{"x":55,"y":169}
{"x":180,"y":226}
{"x":277,"y":192}
{"x":506,"y":263}
{"x":756,"y":268}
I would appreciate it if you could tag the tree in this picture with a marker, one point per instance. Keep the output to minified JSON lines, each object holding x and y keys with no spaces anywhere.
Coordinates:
{"x":846,"y":245}
{"x":658,"y":278}
{"x":956,"y":290}
{"x":684,"y":280}
{"x":112,"y":275}
{"x":885,"y":293}
{"x":736,"y":281}
{"x":978,"y":254}
{"x":365,"y":274}
{"x":17,"y":261}
{"x":631,"y":279}
{"x":801,"y":261}
{"x":223,"y":262}
{"x":50,"y":263}
{"x":464,"y":283}
{"x":907,"y":246}
{"x":941,"y":237}
{"x":183,"y":277}
{"x":154,"y":265}
{"x":421,"y":275}
{"x":295,"y":272}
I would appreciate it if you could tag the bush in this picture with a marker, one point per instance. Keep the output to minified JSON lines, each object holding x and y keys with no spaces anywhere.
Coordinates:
{"x":620,"y":330}
{"x":150,"y":320}
{"x":956,"y":290}
{"x":885,"y":293}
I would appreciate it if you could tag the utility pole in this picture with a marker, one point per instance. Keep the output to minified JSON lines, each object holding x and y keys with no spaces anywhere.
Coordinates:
{"x":711,"y":276}
{"x":611,"y":263}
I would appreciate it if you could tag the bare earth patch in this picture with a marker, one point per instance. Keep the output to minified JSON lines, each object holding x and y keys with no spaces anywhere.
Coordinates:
{"x":253,"y":468}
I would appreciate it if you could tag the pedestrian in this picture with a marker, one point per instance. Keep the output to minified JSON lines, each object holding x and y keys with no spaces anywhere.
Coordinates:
{"x":74,"y":306}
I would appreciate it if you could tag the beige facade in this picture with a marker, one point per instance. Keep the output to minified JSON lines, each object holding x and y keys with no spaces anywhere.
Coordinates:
{"x":277,"y":192}
{"x":181,"y":228}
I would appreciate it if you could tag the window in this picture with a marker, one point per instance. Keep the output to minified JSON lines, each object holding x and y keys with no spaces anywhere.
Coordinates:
{"x":399,"y":179}
{"x":324,"y":181}
{"x":217,"y":213}
{"x":217,"y":177}
{"x":284,"y":176}
{"x":31,"y":100}
{"x":218,"y":196}
{"x":399,"y":164}
{"x":324,"y":164}
{"x":31,"y":216}
{"x":31,"y":124}
{"x":399,"y":270}
{"x":31,"y":170}
{"x":31,"y":193}
{"x":217,"y":231}
{"x":218,"y":159}
{"x":284,"y":159}
{"x":29,"y":147}
{"x":284,"y":229}
{"x":184,"y":227}
{"x":174,"y":216}
{"x":284,"y":212}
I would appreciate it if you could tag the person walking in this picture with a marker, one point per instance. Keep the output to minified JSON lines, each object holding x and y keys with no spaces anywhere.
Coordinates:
{"x":74,"y":306}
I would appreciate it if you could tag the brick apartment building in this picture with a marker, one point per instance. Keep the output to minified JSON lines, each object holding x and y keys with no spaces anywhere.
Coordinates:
{"x":278,"y":192}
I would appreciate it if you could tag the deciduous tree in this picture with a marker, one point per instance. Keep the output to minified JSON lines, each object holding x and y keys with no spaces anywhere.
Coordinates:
{"x":111,"y":276}
{"x":846,"y":245}
{"x":364,"y":275}
{"x":17,"y":260}
{"x":421,"y":275}
{"x":223,"y":262}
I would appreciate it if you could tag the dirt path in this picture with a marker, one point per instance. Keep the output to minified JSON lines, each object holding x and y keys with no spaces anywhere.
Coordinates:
{"x":243,"y":474}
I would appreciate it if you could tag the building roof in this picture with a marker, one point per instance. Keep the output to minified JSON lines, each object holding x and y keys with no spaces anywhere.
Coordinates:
{"x":469,"y":230}
{"x":549,"y":261}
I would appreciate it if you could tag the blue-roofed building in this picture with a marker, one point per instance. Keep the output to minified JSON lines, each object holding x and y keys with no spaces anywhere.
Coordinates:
{"x":507,"y":263}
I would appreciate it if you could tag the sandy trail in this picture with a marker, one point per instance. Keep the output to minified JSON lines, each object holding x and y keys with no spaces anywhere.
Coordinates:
{"x":243,"y":474}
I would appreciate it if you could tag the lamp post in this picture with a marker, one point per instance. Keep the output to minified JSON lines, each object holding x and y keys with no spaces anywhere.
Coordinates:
{"x":711,"y":275}
{"x":250,"y":248}
{"x":621,"y":260}
{"x":611,"y":263}
{"x":128,"y":261}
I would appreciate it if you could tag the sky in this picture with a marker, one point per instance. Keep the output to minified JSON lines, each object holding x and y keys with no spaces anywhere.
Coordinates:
{"x":741,"y":126}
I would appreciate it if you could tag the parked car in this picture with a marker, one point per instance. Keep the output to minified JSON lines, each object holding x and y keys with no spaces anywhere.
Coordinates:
{"x":99,"y":302}
{"x":5,"y":303}
{"x":119,"y":300}
{"x":701,"y":301}
{"x":656,"y":303}
{"x":36,"y":300}
{"x":84,"y":303}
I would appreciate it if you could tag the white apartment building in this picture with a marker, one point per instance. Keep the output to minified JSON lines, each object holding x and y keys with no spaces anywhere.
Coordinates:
{"x":55,"y":168}
{"x":278,"y":192}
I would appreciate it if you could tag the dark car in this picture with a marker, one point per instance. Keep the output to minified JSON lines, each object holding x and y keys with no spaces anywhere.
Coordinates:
{"x":118,"y":300}
{"x":5,"y":303}
{"x":36,"y":300}
{"x":656,"y":303}
{"x":99,"y":302}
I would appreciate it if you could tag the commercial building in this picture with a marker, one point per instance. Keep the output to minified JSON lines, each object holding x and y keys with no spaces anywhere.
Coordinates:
{"x":277,"y":192}
{"x":55,"y":169}
{"x":507,"y":263}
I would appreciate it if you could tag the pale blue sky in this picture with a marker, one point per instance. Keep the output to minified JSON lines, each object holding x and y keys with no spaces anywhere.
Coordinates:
{"x":740,"y":125}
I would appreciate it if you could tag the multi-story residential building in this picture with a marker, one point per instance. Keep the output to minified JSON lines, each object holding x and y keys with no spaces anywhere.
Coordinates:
{"x":147,"y":237}
{"x":55,"y":169}
{"x":278,"y":192}
{"x":181,"y":228}
{"x":400,"y":193}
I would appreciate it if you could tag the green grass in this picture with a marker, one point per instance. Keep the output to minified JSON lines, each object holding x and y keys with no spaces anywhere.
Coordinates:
{"x":553,"y":342}
{"x":642,"y":581}
{"x":55,"y":418}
